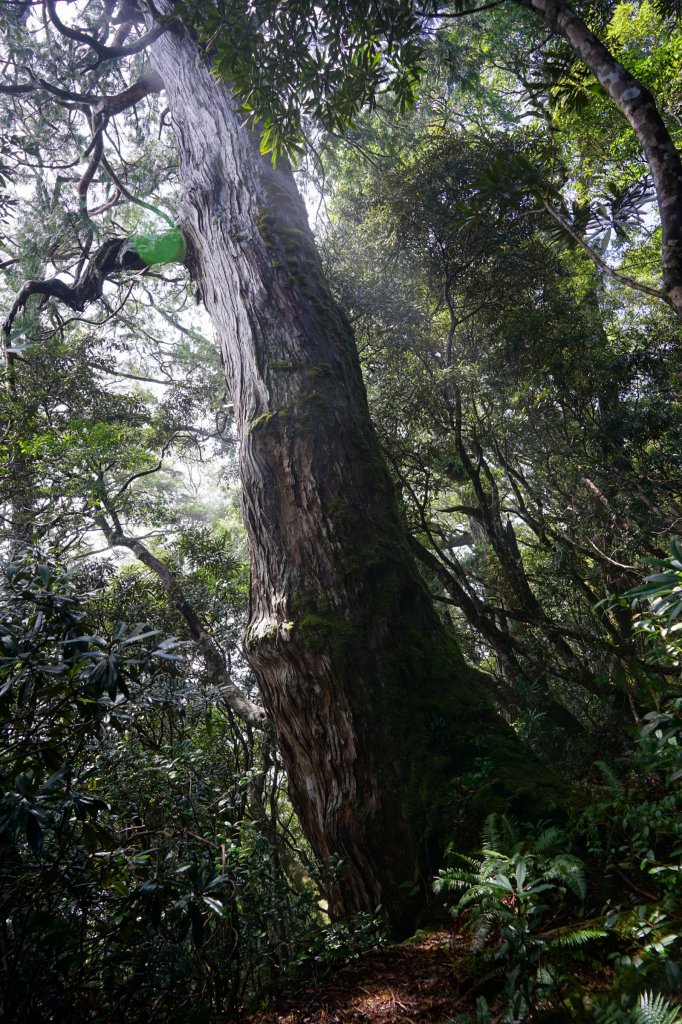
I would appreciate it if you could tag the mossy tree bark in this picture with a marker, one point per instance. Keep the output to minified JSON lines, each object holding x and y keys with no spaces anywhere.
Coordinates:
{"x":380,"y":722}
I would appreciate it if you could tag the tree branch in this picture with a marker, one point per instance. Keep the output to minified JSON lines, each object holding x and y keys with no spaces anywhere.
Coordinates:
{"x":104,"y":52}
{"x":639,"y":108}
{"x":460,"y":14}
{"x":130,"y":197}
{"x":96,"y":150}
{"x":214,"y":660}
{"x":623,"y":279}
{"x":150,"y":82}
{"x":113,"y":257}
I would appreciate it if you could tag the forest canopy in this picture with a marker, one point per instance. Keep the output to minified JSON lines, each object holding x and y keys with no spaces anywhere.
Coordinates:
{"x":341,"y":578}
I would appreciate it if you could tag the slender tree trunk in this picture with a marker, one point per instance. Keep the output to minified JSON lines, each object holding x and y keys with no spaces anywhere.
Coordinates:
{"x":214,"y":660}
{"x":639,"y":108}
{"x":381,"y":726}
{"x":18,"y":500}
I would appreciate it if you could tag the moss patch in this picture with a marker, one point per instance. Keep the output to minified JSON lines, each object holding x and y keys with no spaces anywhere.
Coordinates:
{"x":319,"y":632}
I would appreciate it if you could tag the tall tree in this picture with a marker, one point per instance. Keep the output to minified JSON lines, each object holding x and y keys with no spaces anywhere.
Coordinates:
{"x":381,"y":724}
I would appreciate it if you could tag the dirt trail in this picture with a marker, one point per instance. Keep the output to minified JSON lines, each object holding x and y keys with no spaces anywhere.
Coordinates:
{"x":415,"y":983}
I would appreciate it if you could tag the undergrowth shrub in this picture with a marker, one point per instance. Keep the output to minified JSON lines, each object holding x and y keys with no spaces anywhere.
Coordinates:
{"x":151,"y":866}
{"x":632,"y":835}
{"x":521,"y":904}
{"x":597,"y":939}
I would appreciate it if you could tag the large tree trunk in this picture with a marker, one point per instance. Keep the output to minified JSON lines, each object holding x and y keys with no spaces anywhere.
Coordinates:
{"x":382,"y":729}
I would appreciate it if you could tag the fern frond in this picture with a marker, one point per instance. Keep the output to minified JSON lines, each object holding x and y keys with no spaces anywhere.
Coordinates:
{"x":547,"y":839}
{"x":494,"y":864}
{"x":610,"y":776}
{"x":476,"y":892}
{"x":569,"y":870}
{"x":574,"y":939}
{"x":480,"y":936}
{"x":500,"y":833}
{"x":654,"y":1009}
{"x":450,"y":879}
{"x":608,"y":1013}
{"x":468,"y":863}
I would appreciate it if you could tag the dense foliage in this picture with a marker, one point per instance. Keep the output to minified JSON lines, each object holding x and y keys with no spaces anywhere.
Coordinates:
{"x":493,"y":238}
{"x":151,"y":867}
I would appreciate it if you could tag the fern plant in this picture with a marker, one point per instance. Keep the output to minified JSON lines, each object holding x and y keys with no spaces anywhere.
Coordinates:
{"x":632,"y":830}
{"x":513,"y":902}
{"x":654,"y":1009}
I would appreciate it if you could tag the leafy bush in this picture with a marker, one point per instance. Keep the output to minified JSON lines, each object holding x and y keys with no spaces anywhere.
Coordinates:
{"x":151,"y":867}
{"x":533,"y":910}
{"x":632,"y":831}
{"x":62,"y":691}
{"x":515,"y":905}
{"x":659,"y":602}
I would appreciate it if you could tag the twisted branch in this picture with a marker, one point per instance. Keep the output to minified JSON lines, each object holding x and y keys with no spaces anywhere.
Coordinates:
{"x":112,"y":257}
{"x":103,"y":51}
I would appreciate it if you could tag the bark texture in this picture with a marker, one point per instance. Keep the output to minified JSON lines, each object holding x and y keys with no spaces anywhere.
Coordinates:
{"x":381,"y":725}
{"x":639,"y":108}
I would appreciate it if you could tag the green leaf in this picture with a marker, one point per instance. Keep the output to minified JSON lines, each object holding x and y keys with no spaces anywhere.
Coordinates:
{"x":215,"y":905}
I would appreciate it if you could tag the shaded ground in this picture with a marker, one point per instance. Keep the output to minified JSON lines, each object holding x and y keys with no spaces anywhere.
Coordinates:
{"x":415,"y":983}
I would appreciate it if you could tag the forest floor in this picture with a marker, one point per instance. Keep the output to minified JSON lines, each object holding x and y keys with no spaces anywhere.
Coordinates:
{"x":414,"y":983}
